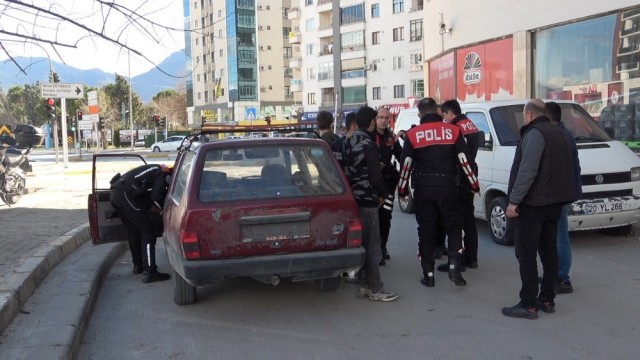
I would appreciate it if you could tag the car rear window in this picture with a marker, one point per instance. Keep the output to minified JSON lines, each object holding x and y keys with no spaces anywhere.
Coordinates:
{"x":268,"y":172}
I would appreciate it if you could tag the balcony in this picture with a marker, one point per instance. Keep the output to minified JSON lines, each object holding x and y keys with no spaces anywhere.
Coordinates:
{"x":295,"y":38}
{"x":294,"y":13}
{"x":295,"y":63}
{"x":629,"y":50}
{"x":634,"y":30}
{"x":630,"y":14}
{"x":324,"y":5}
{"x":296,"y":85}
{"x":415,"y":67}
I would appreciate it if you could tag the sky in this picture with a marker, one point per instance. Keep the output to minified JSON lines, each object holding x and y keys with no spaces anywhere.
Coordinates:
{"x":152,"y":41}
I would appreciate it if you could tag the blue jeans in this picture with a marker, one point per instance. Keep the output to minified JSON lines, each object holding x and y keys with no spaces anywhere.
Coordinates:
{"x":564,"y":245}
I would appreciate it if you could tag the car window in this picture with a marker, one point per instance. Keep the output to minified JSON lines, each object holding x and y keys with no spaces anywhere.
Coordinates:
{"x":480,"y":121}
{"x":181,"y":175}
{"x":280,"y":172}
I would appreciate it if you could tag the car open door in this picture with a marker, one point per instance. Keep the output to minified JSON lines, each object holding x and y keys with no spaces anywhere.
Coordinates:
{"x":104,"y":223}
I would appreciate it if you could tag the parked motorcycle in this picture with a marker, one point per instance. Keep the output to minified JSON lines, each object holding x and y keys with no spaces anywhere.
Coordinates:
{"x":14,"y":161}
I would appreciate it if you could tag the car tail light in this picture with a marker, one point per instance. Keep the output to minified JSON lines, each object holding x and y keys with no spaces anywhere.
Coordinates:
{"x":354,"y":233}
{"x":190,"y":244}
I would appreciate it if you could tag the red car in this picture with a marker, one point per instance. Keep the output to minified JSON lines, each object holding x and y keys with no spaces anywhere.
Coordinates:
{"x":264,"y":208}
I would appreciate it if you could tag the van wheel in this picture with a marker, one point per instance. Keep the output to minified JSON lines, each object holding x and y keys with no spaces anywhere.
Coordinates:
{"x":406,"y":204}
{"x":327,"y":284}
{"x":499,"y":225}
{"x":156,"y":149}
{"x":183,"y":292}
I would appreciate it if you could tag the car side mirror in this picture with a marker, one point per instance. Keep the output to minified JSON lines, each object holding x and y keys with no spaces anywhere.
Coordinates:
{"x":486,"y":141}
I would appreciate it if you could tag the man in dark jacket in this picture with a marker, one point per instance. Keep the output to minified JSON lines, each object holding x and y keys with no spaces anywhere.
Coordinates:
{"x":324,"y":121}
{"x":138,"y":196}
{"x":432,"y":154}
{"x":541,"y":181}
{"x":390,"y":150}
{"x":365,"y":177}
{"x":452,"y":114}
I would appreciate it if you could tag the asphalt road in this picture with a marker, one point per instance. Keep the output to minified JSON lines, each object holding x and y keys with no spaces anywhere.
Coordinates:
{"x":244,"y":319}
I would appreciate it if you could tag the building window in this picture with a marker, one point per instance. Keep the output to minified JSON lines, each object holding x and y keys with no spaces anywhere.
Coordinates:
{"x":199,"y":95}
{"x":375,"y":10}
{"x":195,"y":4}
{"x":376,"y":93}
{"x":398,"y":91}
{"x":325,"y":71}
{"x":198,"y":77}
{"x":285,"y":32}
{"x":204,"y":58}
{"x":308,"y":2}
{"x":352,"y":41}
{"x":415,"y":30}
{"x":220,"y":33}
{"x":398,"y":62}
{"x":195,"y":24}
{"x":417,"y":88}
{"x":206,"y":96}
{"x":352,"y":14}
{"x":398,"y":6}
{"x":398,"y":34}
{"x":287,"y":52}
{"x":311,"y":98}
{"x":311,"y":74}
{"x":219,"y":13}
{"x":204,"y":76}
{"x":310,"y":24}
{"x":354,"y":95}
{"x":221,"y":52}
{"x":309,"y":49}
{"x":197,"y":40}
{"x":375,"y":38}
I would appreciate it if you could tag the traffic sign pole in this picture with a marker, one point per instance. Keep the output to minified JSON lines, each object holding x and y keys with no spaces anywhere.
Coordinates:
{"x":63,"y":123}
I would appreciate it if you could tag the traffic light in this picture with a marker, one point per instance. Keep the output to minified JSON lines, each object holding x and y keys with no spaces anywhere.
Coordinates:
{"x":156,"y":120}
{"x":79,"y":115}
{"x":268,"y":120}
{"x":163,"y":122}
{"x":51,"y":108}
{"x":100,"y":124}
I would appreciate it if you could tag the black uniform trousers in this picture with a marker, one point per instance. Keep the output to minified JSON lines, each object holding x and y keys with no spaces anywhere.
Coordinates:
{"x":385,"y":213}
{"x":141,"y":231}
{"x":437,"y":205}
{"x":469,"y":226}
{"x":535,"y":233}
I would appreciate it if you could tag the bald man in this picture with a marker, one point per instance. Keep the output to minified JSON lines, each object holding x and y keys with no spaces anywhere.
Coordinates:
{"x":541,"y":181}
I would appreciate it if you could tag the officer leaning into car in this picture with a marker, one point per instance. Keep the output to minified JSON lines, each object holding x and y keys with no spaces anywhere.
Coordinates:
{"x":431,"y":153}
{"x":138,"y":196}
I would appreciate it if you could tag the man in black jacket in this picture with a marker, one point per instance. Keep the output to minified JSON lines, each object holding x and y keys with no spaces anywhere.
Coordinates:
{"x":138,"y":196}
{"x":432,"y":153}
{"x":452,"y":114}
{"x":365,"y":177}
{"x":541,"y":181}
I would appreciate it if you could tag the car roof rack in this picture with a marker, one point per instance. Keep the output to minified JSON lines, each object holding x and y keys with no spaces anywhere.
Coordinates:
{"x":217,"y":128}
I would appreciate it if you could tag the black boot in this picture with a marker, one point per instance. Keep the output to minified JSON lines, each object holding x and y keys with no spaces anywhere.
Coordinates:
{"x":151,"y":273}
{"x":445,"y":267}
{"x":428,"y":278}
{"x":137,"y":269}
{"x":454,"y":271}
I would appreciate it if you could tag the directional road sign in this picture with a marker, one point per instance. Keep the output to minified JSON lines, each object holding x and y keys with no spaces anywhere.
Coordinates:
{"x":60,"y":90}
{"x":85,"y":125}
{"x":91,"y":118}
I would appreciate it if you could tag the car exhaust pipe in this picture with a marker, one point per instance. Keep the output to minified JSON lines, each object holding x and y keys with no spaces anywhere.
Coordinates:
{"x":348,"y":274}
{"x":275,"y":280}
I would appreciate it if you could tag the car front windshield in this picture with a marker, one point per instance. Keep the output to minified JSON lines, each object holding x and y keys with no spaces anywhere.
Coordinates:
{"x":268,"y":172}
{"x":508,"y":120}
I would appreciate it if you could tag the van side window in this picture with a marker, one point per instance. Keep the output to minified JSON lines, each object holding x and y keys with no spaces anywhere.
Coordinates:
{"x":481,"y":122}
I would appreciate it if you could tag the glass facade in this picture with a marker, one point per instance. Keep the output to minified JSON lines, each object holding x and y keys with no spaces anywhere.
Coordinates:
{"x":354,"y":95}
{"x":596,"y":64}
{"x":241,"y":51}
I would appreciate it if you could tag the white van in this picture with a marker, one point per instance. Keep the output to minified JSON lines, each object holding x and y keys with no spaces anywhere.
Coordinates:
{"x":610,"y":170}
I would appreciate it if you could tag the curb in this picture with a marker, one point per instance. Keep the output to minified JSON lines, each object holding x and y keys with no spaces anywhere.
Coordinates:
{"x":22,"y":282}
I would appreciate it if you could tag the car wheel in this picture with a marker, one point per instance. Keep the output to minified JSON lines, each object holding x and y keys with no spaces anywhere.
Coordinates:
{"x":499,"y":225}
{"x":156,"y":149}
{"x":183,"y":292}
{"x":327,"y":284}
{"x":406,"y":204}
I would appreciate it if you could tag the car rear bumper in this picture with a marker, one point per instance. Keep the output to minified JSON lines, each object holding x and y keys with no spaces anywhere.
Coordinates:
{"x":297,"y":266}
{"x":604,"y":213}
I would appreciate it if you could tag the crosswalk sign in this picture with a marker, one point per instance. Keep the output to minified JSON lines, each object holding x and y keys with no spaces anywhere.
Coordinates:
{"x":250,"y":113}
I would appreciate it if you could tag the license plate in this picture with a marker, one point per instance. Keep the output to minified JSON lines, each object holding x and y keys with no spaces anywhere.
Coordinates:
{"x":604,"y":207}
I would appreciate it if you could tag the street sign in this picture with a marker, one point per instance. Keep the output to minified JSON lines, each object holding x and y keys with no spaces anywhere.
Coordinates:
{"x":93,"y":118}
{"x":60,"y":90}
{"x":85,"y":124}
{"x":92,"y":98}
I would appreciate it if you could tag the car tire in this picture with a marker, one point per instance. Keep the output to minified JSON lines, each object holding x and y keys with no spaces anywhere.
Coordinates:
{"x":156,"y":149}
{"x":327,"y":284}
{"x":500,"y":226}
{"x":183,"y":292}
{"x":406,"y":204}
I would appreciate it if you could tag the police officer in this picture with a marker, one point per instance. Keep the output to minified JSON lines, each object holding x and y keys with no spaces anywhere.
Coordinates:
{"x":452,"y":114}
{"x":432,"y":153}
{"x":138,"y":197}
{"x":389,"y":147}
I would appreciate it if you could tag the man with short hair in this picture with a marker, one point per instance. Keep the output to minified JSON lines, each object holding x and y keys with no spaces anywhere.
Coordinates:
{"x":390,"y":149}
{"x":362,"y":157}
{"x":324,"y":121}
{"x":563,"y":282}
{"x":432,"y":153}
{"x":452,"y":114}
{"x":338,"y":145}
{"x":541,"y":181}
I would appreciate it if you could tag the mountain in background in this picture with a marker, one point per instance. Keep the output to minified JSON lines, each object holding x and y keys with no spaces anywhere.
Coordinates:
{"x":146,"y":85}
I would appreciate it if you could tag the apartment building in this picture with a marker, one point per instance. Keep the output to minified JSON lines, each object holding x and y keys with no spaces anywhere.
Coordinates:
{"x":240,"y":60}
{"x":357,"y":52}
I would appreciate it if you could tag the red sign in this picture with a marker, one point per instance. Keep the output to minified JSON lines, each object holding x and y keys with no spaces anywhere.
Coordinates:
{"x":442,"y":78}
{"x":485,"y":72}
